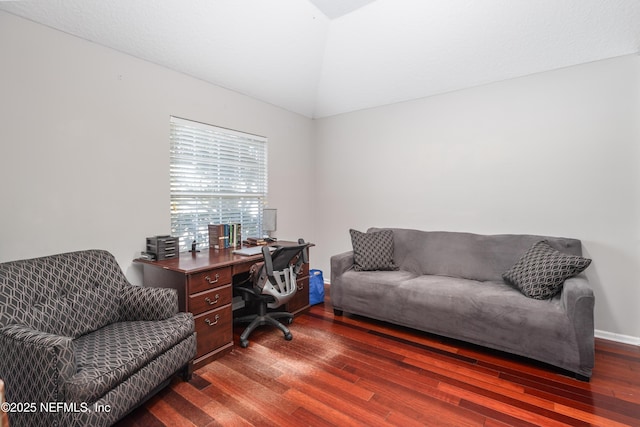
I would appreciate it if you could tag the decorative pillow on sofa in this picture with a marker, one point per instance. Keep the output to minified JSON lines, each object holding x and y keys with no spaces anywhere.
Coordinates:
{"x":542,"y":270}
{"x":373,"y":251}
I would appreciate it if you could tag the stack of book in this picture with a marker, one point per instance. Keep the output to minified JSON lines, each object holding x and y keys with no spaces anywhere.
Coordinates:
{"x":222,"y":236}
{"x":255,"y":241}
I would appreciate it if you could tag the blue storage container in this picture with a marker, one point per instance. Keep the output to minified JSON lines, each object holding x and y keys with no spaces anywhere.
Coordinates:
{"x":316,"y":287}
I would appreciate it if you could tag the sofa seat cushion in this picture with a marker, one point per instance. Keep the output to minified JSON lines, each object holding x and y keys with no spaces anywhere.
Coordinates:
{"x":492,"y":314}
{"x":488,"y":313}
{"x":371,"y":291}
{"x":110,"y":355}
{"x":466,"y":300}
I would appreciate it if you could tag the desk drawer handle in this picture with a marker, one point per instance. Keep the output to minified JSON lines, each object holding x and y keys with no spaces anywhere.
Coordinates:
{"x":214,"y":302}
{"x":210,"y":323}
{"x":211,"y":282}
{"x":301,"y":287}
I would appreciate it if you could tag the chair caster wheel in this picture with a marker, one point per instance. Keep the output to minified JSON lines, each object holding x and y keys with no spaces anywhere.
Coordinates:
{"x":244,"y":343}
{"x":290,"y":320}
{"x":288,"y":336}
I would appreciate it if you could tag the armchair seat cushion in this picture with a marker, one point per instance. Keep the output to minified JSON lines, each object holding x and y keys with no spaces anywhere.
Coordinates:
{"x":110,"y":355}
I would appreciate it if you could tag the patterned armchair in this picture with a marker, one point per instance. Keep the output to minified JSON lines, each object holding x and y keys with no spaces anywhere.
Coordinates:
{"x":80,"y":346}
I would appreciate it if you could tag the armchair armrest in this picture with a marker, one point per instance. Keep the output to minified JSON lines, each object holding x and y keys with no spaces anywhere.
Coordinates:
{"x":34,"y":364}
{"x":341,"y":263}
{"x":578,"y":301}
{"x":143,"y":303}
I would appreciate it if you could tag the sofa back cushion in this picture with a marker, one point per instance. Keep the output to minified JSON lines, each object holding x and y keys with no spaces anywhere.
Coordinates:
{"x":467,"y":255}
{"x":67,"y":294}
{"x":372,"y":251}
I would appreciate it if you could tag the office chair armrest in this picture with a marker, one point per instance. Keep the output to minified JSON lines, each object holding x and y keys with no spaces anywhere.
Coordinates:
{"x":246,"y":292}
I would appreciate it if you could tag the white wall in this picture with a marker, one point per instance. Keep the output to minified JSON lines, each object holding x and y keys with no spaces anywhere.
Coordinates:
{"x":84,"y":145}
{"x":84,"y":159}
{"x":556,"y":153}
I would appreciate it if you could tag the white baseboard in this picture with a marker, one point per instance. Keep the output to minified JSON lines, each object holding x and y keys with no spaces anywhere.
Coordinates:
{"x":625,"y":339}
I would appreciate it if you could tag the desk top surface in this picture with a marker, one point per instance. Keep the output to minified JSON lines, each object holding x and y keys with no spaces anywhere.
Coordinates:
{"x":207,"y":259}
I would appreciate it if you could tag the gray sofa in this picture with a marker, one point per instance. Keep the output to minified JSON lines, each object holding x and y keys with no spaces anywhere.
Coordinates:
{"x":80,"y":346}
{"x":452,"y":284}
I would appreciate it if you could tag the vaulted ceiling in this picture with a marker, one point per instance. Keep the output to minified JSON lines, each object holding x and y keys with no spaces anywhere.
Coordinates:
{"x":326,"y":57}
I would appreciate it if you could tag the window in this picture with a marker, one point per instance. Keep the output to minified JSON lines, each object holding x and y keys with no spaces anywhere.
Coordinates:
{"x":217,"y":176}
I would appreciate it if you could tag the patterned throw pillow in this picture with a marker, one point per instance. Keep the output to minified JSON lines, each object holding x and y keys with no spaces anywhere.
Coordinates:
{"x":542,"y":270}
{"x":373,"y":251}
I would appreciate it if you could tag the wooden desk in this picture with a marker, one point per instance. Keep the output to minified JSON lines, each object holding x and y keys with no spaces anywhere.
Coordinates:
{"x":204,"y":282}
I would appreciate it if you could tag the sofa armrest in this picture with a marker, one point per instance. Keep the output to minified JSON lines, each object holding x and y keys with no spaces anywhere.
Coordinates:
{"x":145,"y":303}
{"x":578,"y":301}
{"x":340,"y":264}
{"x":35,"y":365}
{"x":577,"y":295}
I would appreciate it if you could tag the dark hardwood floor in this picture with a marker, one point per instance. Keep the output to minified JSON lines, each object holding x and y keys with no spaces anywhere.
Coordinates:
{"x":354,"y":371}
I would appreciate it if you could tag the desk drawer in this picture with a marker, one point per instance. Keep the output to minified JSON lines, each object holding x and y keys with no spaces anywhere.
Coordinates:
{"x":209,"y":279}
{"x":304,"y":271}
{"x":213,"y":329}
{"x":301,"y":298}
{"x":209,"y":300}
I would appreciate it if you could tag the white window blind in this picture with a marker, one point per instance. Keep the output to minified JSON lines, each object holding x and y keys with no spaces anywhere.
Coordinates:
{"x":217,"y":176}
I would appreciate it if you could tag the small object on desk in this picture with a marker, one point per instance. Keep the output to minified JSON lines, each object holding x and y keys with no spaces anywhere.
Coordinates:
{"x":148,"y":256}
{"x":163,"y":247}
{"x":255,"y":241}
{"x":253,"y":250}
{"x":269,"y":221}
{"x":193,"y":247}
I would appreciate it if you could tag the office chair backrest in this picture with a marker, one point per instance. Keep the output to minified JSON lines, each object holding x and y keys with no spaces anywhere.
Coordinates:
{"x":277,"y":276}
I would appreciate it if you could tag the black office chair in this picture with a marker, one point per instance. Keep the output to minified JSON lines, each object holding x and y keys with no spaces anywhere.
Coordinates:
{"x":273,"y":284}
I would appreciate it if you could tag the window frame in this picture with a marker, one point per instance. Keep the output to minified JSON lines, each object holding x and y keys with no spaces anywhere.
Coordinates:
{"x":216,"y":176}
